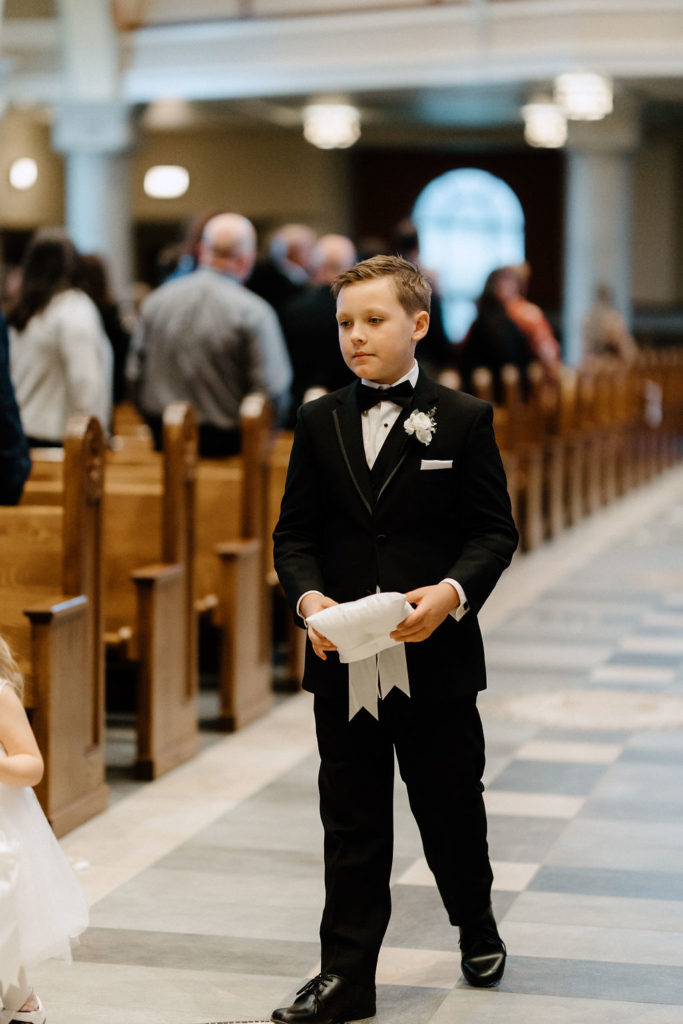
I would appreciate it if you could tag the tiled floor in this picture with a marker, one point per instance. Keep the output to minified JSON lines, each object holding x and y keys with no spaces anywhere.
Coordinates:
{"x":206,"y":885}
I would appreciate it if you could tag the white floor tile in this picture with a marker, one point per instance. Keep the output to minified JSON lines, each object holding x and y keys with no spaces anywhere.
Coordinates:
{"x":425,"y":968}
{"x":532,"y":805}
{"x":644,"y":675}
{"x":570,"y":752}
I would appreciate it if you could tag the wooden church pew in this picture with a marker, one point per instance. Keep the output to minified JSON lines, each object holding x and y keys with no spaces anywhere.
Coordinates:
{"x":51,"y":614}
{"x":231,"y":560}
{"x":150,"y":620}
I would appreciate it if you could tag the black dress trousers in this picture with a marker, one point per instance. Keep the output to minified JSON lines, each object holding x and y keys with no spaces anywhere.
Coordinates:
{"x":440,"y":752}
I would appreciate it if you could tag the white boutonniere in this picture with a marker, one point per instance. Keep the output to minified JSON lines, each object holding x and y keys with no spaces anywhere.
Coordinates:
{"x":422,"y":424}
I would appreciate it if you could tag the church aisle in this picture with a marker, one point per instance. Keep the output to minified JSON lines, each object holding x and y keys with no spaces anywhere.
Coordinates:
{"x":206,"y":886}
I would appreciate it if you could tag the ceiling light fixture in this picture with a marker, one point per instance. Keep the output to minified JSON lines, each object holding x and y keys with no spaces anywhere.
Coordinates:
{"x":545,"y":124}
{"x":23,"y":174}
{"x":166,"y":181}
{"x":584,"y":95}
{"x":331,"y":125}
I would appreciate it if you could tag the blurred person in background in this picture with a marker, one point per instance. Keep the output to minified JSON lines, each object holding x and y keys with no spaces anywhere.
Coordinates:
{"x":285,"y":272}
{"x":206,"y":339}
{"x":94,"y":280}
{"x":494,"y":339}
{"x":188,"y":252}
{"x":605,"y":332}
{"x":435,"y":351}
{"x":310,"y":323}
{"x":60,"y":357}
{"x":530,"y":318}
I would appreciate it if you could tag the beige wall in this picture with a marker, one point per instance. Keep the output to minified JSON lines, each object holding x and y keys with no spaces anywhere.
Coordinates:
{"x":270,"y":175}
{"x":23,"y":134}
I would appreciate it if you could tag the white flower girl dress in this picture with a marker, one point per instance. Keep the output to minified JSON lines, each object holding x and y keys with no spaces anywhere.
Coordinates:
{"x":42,"y":905}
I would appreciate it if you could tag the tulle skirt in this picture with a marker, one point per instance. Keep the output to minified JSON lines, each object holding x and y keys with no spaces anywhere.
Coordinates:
{"x":42,"y":905}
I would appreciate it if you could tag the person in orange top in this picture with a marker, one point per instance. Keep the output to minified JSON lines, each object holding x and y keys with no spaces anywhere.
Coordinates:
{"x":530,"y":318}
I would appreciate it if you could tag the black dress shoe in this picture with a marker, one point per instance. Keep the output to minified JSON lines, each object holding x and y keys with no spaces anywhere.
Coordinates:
{"x":328,"y":999}
{"x":483,"y":951}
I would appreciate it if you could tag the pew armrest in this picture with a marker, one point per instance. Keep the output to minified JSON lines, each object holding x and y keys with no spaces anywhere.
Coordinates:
{"x":43,"y":612}
{"x":168,"y":725}
{"x":157,"y":571}
{"x":68,"y":711}
{"x":237,"y":548}
{"x":245,"y":668}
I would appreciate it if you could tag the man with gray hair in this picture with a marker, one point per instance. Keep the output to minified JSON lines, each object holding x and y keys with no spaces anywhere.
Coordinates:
{"x":284,"y":273}
{"x":205,"y":339}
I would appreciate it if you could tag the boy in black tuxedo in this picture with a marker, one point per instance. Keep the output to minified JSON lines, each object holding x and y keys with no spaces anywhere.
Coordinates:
{"x":395,"y":484}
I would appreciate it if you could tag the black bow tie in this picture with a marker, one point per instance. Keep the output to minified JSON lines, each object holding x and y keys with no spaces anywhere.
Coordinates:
{"x":401,"y":394}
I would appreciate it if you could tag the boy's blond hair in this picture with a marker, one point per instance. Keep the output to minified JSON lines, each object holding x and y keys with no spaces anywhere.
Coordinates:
{"x":413,"y":290}
{"x":9,"y":670}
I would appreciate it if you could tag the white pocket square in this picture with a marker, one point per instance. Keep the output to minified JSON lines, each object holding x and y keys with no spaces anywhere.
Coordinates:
{"x":436,"y":463}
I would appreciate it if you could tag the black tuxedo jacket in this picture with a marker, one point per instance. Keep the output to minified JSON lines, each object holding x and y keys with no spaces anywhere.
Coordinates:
{"x":346,"y":530}
{"x":15,"y":461}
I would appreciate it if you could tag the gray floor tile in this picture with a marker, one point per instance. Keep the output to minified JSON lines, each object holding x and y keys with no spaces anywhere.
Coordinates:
{"x":185,"y":902}
{"x":498,"y":1006}
{"x":587,"y":979}
{"x":630,"y":809}
{"x":178,"y":951}
{"x":522,"y":839}
{"x":200,"y":856}
{"x":658,"y":741}
{"x":549,"y":777}
{"x":634,"y":755}
{"x":419,"y":920}
{"x":609,"y":882}
{"x":398,"y":1004}
{"x":624,"y":845}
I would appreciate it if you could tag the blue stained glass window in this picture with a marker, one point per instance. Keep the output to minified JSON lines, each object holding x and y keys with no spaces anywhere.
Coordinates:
{"x":469,"y":222}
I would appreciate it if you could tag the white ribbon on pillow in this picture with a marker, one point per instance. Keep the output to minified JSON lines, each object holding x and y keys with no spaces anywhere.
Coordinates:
{"x":360,"y":631}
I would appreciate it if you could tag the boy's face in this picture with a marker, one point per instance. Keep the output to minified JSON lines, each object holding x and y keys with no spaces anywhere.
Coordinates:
{"x":377,"y":336}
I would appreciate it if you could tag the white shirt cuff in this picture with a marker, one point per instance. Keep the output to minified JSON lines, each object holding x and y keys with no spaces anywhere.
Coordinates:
{"x":464,"y":606}
{"x":298,"y":603}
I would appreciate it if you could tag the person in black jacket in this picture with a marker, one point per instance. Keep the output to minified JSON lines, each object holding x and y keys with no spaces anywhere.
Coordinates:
{"x":395,"y":487}
{"x":15,"y":461}
{"x":494,"y":340}
{"x":310,"y":327}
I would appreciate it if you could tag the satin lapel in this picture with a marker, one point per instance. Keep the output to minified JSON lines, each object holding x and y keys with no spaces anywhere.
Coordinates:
{"x":424,"y":401}
{"x":347,"y":424}
{"x":391,"y":454}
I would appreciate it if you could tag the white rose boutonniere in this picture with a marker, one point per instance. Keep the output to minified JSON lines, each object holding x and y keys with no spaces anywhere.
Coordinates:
{"x":422,"y":424}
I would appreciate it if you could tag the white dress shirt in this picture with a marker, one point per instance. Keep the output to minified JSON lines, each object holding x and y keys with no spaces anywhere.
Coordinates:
{"x":376,"y":423}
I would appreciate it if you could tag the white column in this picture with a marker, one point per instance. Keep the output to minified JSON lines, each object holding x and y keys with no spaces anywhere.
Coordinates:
{"x":597,"y":221}
{"x":95,"y":141}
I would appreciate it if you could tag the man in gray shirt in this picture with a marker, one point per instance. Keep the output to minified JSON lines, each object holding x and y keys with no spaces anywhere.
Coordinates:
{"x":205,"y":339}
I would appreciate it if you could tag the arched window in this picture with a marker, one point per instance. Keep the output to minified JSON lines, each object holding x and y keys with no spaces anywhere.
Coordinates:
{"x":469,"y":222}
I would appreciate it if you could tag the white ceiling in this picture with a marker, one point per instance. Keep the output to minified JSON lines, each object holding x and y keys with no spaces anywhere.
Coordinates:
{"x":467,"y":66}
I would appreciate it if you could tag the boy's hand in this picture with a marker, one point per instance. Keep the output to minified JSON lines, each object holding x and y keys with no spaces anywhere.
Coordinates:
{"x":311,"y":604}
{"x":433,"y":605}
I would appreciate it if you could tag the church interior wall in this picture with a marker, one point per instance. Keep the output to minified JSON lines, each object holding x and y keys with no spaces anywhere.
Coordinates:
{"x":656,"y":224}
{"x":273,"y":176}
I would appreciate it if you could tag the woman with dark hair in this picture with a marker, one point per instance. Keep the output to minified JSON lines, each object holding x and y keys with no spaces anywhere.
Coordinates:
{"x":60,"y":358}
{"x":94,"y":281}
{"x":494,"y":340}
